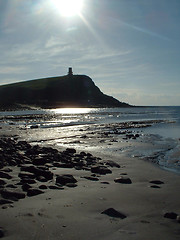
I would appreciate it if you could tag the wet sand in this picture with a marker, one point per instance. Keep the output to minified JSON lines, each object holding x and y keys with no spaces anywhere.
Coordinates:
{"x":76,"y":212}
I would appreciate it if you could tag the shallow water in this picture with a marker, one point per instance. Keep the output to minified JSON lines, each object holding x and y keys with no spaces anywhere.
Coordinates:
{"x":51,"y":124}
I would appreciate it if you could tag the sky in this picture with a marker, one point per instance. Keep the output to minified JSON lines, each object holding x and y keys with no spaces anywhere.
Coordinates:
{"x":130,"y":48}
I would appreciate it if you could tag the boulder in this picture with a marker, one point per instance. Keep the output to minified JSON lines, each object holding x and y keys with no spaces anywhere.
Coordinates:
{"x":65,"y":178}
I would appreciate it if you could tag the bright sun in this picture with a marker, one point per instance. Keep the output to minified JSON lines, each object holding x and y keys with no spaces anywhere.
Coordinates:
{"x":69,"y":8}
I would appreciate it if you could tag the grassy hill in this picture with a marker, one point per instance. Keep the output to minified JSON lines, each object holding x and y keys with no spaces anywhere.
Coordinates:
{"x":63,"y":91}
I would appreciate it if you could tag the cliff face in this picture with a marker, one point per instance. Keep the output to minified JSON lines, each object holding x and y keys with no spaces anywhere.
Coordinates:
{"x":65,"y":91}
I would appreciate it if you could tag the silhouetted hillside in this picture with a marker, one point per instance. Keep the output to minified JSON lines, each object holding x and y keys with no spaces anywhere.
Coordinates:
{"x":64,"y":91}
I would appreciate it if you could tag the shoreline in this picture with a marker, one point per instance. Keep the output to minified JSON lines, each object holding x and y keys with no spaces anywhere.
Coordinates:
{"x":74,"y":211}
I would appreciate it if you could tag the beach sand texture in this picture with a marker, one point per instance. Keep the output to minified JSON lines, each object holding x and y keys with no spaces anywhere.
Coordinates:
{"x":74,"y":211}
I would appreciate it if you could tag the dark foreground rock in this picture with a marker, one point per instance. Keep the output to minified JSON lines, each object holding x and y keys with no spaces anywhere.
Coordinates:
{"x":100,"y":170}
{"x":112,"y":164}
{"x":171,"y":215}
{"x":35,"y":165}
{"x":9,"y":194}
{"x":2,"y":232}
{"x":4,"y":175}
{"x":5,"y":201}
{"x":33,"y":192}
{"x":114,"y":213}
{"x":64,"y":179}
{"x":124,"y":180}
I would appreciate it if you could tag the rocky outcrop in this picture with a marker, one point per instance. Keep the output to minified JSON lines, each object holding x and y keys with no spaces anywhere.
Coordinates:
{"x":34,"y":165}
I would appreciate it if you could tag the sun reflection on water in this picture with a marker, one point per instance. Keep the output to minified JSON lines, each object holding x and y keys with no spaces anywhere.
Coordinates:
{"x":72,"y":110}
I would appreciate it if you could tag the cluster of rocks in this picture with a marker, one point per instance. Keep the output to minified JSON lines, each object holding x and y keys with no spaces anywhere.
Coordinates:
{"x":35,"y":164}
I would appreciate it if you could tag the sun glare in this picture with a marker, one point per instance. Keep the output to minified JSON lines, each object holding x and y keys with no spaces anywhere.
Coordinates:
{"x":69,"y":8}
{"x":71,"y":110}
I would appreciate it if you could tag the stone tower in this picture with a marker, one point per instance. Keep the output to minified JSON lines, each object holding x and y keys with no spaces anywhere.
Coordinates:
{"x":70,"y":73}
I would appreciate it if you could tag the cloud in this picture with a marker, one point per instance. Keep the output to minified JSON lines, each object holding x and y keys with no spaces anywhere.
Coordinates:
{"x":12,"y":70}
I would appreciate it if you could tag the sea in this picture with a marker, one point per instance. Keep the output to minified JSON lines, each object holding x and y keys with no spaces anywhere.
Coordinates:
{"x":51,"y":119}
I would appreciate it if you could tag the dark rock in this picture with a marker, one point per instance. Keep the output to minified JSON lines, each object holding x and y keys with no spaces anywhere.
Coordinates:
{"x":64,"y":179}
{"x":2,"y":182}
{"x":113,"y":213}
{"x":5,"y":175}
{"x":12,"y":163}
{"x":71,"y":185}
{"x":38,"y":171}
{"x":155,"y":186}
{"x":27,"y":180}
{"x":26,"y":175}
{"x":105,"y":182}
{"x":9,"y":194}
{"x":112,"y":164}
{"x":157,"y":182}
{"x":100,"y":170}
{"x":40,"y":161}
{"x":42,"y":187}
{"x":64,"y":165}
{"x":11,"y":186}
{"x":33,"y":192}
{"x":82,"y":153}
{"x":6,"y":169}
{"x":71,"y":150}
{"x":2,"y":232}
{"x":171,"y":215}
{"x":34,"y":126}
{"x":5,"y":201}
{"x":78,"y":168}
{"x":92,"y":178}
{"x":41,"y":179}
{"x":123,"y":180}
{"x":56,"y":187}
{"x":26,"y":187}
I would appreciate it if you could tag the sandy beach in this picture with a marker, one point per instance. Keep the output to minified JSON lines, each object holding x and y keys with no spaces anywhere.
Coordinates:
{"x":117,"y":193}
